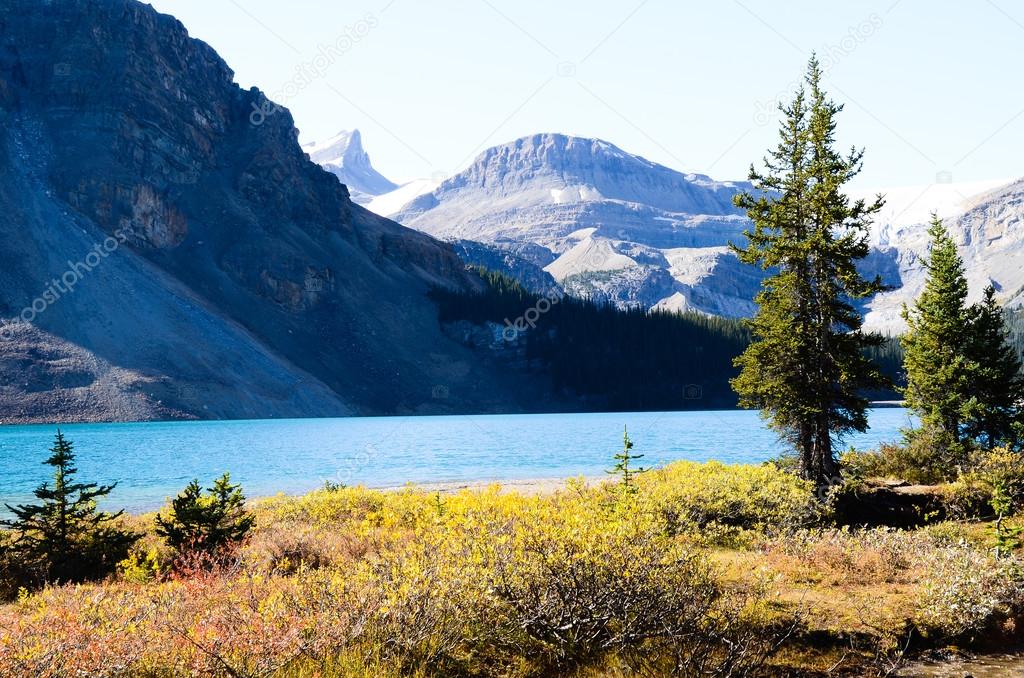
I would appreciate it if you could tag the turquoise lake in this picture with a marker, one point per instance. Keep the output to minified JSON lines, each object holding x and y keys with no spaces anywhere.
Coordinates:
{"x":153,"y":461}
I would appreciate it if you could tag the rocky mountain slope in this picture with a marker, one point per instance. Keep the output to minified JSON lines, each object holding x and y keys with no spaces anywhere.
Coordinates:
{"x":343,"y":156}
{"x":608,"y":225}
{"x":612,"y":226}
{"x":166,"y":256}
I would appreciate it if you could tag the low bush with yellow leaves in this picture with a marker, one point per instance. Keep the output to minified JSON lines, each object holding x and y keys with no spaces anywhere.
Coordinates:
{"x":721,"y":502}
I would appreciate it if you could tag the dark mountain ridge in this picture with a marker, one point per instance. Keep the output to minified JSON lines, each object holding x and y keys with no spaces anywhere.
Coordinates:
{"x":242,"y":281}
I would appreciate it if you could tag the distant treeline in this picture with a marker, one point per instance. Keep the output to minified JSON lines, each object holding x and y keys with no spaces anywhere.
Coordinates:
{"x":889,"y":357}
{"x":609,"y":359}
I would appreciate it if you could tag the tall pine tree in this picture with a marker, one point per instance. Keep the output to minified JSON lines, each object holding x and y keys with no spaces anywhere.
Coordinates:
{"x":963,"y":373}
{"x":994,"y":413}
{"x":806,"y":368}
{"x":65,"y":538}
{"x":940,"y":370}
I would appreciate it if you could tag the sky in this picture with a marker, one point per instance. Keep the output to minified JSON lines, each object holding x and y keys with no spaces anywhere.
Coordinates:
{"x":931,"y":88}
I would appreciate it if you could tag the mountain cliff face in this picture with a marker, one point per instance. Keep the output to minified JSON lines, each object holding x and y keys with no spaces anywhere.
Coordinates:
{"x":610,"y":226}
{"x":171,"y":251}
{"x":343,"y":156}
{"x":512,"y":259}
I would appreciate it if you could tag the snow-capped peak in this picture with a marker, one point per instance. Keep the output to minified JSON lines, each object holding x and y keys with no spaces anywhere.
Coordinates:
{"x":334,"y":149}
{"x":343,"y":155}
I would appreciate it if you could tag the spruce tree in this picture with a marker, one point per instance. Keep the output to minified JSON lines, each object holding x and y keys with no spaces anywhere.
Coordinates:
{"x":209,"y":524}
{"x":994,"y":412}
{"x":623,"y":465}
{"x":940,"y":370}
{"x":806,"y":368}
{"x":65,"y":538}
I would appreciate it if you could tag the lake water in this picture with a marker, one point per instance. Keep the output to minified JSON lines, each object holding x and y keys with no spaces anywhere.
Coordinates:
{"x":154,"y":461}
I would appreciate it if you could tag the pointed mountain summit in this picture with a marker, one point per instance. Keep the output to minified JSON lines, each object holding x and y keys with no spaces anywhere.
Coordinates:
{"x":343,"y":156}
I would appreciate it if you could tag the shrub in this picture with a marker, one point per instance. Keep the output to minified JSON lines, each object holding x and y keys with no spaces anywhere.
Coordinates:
{"x":961,"y":590}
{"x":966,"y":592}
{"x":141,"y":567}
{"x":717,"y":499}
{"x":1002,"y":470}
{"x":206,"y":525}
{"x":290,"y":547}
{"x":577,"y":583}
{"x":579,"y":589}
{"x":921,"y":460}
{"x":13,"y":572}
{"x":349,"y":505}
{"x":429,"y":607}
{"x":993,"y":487}
{"x":848,"y":556}
{"x":968,"y":497}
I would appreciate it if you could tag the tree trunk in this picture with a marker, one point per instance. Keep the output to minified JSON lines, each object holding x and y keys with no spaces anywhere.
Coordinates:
{"x":826,"y":459}
{"x":806,"y":452}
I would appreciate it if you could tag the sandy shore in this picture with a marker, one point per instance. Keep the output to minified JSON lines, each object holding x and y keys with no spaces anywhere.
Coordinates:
{"x":529,"y":487}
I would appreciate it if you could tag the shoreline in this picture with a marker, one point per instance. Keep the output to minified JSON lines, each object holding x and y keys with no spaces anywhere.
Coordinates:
{"x":35,"y":421}
{"x":528,"y":487}
{"x":525,"y":486}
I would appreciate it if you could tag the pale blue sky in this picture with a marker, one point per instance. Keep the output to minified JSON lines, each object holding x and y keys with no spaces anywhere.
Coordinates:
{"x":930,"y":86}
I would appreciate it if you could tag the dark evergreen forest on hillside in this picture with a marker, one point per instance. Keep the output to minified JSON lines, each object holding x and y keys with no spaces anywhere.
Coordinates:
{"x":610,"y":359}
{"x":614,"y":359}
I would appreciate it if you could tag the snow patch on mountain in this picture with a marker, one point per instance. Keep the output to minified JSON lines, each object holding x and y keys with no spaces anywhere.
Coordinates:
{"x":908,"y":206}
{"x":393,"y":201}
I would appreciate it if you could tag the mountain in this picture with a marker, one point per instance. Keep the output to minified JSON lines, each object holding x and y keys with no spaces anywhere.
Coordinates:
{"x":343,"y":156}
{"x":614,"y":227}
{"x":171,"y":252}
{"x":986,"y":220}
{"x":390,"y":203}
{"x":606,"y":224}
